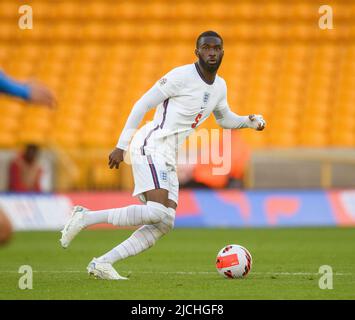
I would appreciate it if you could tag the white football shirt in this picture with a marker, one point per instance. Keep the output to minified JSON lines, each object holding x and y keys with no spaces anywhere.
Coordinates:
{"x":189,"y":102}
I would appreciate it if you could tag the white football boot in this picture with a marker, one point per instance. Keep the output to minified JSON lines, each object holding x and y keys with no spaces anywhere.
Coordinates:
{"x":103,"y":270}
{"x":73,"y":226}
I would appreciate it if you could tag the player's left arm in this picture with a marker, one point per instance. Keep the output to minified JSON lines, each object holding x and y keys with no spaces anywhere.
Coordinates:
{"x":230,"y":120}
{"x":227,"y":119}
{"x":32,"y":91}
{"x":14,"y":88}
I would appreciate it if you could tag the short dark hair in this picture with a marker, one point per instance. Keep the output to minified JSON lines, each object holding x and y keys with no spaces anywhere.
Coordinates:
{"x":208,"y":34}
{"x":32,"y":146}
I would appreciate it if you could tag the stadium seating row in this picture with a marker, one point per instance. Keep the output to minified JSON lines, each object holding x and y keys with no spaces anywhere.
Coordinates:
{"x":297,"y":82}
{"x":177,"y":10}
{"x":100,"y":56}
{"x":169,"y":32}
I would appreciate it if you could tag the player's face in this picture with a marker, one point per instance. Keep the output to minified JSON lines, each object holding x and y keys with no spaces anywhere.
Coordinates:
{"x":210,"y":53}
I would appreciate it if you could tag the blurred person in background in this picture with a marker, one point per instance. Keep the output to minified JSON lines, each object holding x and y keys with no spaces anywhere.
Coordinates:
{"x":25,"y":172}
{"x":31,"y":91}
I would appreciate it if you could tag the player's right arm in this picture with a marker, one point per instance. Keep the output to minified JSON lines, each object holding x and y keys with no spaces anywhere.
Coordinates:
{"x":149,"y":100}
{"x":166,"y":87}
{"x":32,"y":91}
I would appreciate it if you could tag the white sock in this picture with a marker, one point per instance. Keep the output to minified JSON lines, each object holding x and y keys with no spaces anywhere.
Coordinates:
{"x":95,"y":217}
{"x":133,"y":215}
{"x":141,"y":240}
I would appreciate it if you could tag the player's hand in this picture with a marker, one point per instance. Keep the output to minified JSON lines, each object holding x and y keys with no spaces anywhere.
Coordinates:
{"x":257,"y":121}
{"x":115,"y":158}
{"x":40,"y":94}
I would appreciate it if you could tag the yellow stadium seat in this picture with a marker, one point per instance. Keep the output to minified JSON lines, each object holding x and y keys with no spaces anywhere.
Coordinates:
{"x":127,"y":10}
{"x":247,"y":9}
{"x":8,"y":124}
{"x":101,"y":56}
{"x":64,"y":139}
{"x":305,"y":10}
{"x":254,"y":139}
{"x":342,"y":138}
{"x":275,"y":10}
{"x":46,"y":10}
{"x":282,"y":139}
{"x":76,"y":10}
{"x":156,"y":31}
{"x":8,"y":139}
{"x":9,"y":9}
{"x":92,"y":138}
{"x":28,"y":135}
{"x":157,"y":10}
{"x":104,"y":178}
{"x":312,"y":136}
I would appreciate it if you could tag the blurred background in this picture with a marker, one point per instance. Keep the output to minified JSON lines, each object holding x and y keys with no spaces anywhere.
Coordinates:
{"x":99,"y":57}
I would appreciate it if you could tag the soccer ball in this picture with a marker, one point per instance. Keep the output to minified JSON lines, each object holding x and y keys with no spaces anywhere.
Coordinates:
{"x":233,"y":261}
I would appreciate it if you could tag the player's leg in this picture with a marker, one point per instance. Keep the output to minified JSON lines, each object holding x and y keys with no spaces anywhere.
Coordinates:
{"x":150,"y":174}
{"x":145,"y":171}
{"x":147,"y":235}
{"x":158,"y":221}
{"x":133,"y":215}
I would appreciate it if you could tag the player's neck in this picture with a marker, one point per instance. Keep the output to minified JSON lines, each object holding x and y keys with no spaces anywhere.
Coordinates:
{"x":206,"y":76}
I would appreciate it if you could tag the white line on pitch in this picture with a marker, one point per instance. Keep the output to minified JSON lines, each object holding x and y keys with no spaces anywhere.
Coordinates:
{"x":189,"y":272}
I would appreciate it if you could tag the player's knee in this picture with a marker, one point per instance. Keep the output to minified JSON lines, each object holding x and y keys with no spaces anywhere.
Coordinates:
{"x":166,"y":225}
{"x":170,"y":222}
{"x":158,"y":212}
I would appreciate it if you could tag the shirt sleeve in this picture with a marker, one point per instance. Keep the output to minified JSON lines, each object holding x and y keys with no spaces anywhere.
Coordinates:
{"x":149,"y":100}
{"x":14,"y":88}
{"x":171,"y":84}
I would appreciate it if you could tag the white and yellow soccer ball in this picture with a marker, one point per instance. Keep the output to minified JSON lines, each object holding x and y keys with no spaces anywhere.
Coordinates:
{"x":234,"y":261}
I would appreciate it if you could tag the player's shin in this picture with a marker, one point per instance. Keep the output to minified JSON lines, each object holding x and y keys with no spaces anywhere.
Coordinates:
{"x":133,"y":215}
{"x":141,"y":240}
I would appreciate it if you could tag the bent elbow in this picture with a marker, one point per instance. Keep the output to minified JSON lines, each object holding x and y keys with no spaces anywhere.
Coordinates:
{"x":224,"y":124}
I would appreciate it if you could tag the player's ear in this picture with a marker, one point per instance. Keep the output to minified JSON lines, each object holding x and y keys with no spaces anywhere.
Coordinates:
{"x":222,"y":53}
{"x":196,"y":53}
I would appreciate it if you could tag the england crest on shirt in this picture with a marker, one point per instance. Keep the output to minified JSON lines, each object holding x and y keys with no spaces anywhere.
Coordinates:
{"x":163,"y":175}
{"x":206,"y":97}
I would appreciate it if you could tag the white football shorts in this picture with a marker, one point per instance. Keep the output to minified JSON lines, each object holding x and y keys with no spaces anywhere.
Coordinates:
{"x":152,"y":171}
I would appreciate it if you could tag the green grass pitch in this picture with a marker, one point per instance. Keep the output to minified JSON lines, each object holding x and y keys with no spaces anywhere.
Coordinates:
{"x":182,"y":265}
